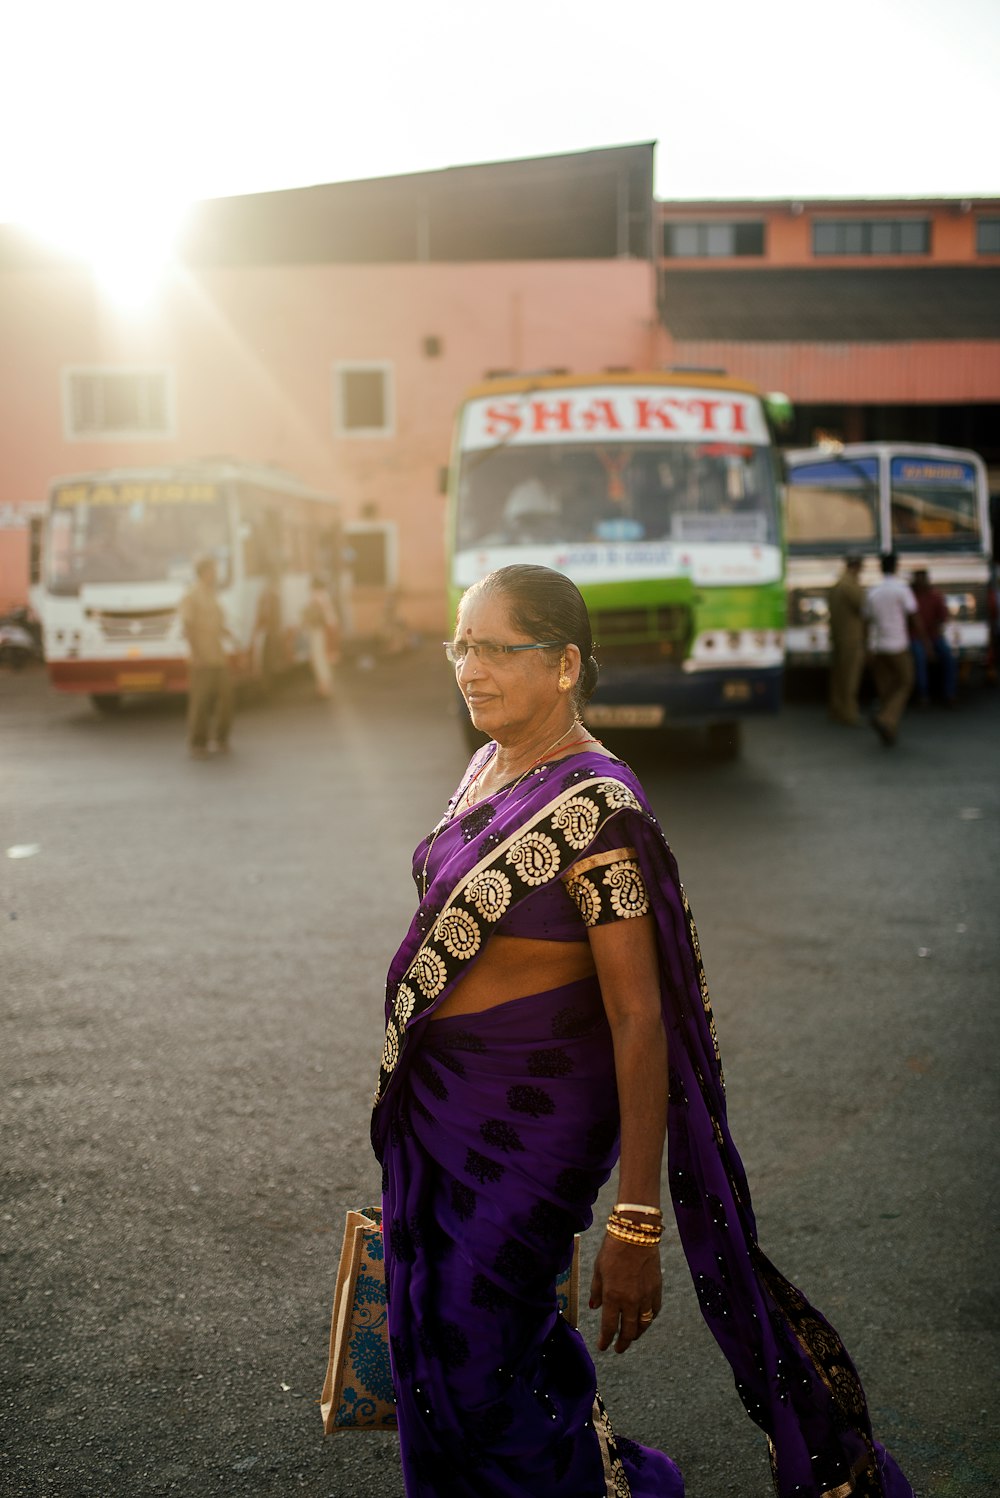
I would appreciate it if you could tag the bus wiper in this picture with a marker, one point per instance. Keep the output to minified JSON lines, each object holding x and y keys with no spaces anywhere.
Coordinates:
{"x":471,"y":463}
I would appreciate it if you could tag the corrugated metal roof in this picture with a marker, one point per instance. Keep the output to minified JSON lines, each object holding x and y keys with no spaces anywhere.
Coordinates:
{"x":963,"y":201}
{"x":854,"y":373}
{"x":833,"y":306}
{"x":580,"y":206}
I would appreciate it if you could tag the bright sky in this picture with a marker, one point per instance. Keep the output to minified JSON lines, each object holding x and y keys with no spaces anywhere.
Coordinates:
{"x":155,"y":105}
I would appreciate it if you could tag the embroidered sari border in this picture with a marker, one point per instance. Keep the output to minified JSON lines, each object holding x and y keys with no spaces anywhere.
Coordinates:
{"x":616,"y":1482}
{"x":464,"y":922}
{"x":598,"y":861}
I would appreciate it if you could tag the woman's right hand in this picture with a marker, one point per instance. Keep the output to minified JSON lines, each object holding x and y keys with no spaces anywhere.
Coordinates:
{"x":627,"y":1285}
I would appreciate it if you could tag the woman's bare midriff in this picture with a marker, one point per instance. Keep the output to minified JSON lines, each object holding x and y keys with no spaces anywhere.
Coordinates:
{"x":512,"y":967}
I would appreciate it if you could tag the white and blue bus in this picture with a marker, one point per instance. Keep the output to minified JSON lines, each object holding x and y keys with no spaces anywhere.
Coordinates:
{"x":928,"y":504}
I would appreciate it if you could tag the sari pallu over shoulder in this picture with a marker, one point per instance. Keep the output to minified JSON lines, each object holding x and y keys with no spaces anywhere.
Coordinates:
{"x":791,"y":1369}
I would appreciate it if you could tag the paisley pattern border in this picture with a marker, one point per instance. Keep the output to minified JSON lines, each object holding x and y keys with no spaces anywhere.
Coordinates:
{"x":615,"y":1479}
{"x":539,"y":851}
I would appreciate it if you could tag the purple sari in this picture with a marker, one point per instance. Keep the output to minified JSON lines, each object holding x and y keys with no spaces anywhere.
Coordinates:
{"x":497,"y":1130}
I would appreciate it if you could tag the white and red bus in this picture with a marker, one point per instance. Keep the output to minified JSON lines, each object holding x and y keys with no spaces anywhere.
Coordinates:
{"x":118,"y":556}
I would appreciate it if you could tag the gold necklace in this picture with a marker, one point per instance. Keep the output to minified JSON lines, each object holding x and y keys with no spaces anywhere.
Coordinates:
{"x":470,"y":801}
{"x":510,"y":790}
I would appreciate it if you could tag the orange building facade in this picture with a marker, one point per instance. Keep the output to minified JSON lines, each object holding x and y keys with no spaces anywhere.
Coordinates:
{"x":332,"y":331}
{"x":880,"y":319}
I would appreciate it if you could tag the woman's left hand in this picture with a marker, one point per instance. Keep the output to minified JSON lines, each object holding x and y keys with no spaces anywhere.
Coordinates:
{"x":627,"y":1285}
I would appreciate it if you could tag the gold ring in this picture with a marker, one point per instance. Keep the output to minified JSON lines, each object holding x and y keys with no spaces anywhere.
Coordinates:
{"x":645,"y":1318}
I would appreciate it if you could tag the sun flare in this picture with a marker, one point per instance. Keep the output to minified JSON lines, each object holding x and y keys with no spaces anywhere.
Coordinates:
{"x":126,"y":241}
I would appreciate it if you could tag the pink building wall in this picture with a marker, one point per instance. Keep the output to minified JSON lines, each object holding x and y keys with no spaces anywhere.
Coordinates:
{"x":15,"y":545}
{"x":252,"y":352}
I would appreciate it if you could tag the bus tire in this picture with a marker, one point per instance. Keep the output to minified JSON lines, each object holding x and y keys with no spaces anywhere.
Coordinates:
{"x":725,"y":740}
{"x":106,"y":702}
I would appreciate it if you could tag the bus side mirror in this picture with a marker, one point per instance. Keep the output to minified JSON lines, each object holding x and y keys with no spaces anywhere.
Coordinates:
{"x":35,"y":543}
{"x":779,"y":409}
{"x":443,"y":473}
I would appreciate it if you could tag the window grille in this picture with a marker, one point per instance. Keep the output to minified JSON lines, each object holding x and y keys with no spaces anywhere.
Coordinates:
{"x":712,"y":239}
{"x":988,"y":236}
{"x":364,"y":400}
{"x":133,"y":404}
{"x":862,"y":236}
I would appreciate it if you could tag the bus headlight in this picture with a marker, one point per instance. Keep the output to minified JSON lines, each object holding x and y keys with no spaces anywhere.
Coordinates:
{"x":749,"y":649}
{"x":961,"y":605}
{"x":811,"y":608}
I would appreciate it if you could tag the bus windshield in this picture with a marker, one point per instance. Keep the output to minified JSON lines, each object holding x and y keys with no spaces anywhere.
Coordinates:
{"x":134,"y":532}
{"x":833,"y":506}
{"x":567,"y":493}
{"x":933,"y":504}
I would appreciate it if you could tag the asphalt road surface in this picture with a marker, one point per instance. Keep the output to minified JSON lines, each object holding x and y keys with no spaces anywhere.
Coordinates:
{"x":193,"y":963}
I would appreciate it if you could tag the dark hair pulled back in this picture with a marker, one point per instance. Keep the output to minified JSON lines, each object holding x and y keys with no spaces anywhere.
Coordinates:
{"x":546,"y":605}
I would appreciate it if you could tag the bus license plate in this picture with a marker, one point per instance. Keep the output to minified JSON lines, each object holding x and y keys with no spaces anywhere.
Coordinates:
{"x":140,"y":681}
{"x":736,"y":691}
{"x":605,"y":715}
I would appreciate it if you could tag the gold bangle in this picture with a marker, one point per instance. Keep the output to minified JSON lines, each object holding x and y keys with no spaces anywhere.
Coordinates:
{"x":648,"y":1229}
{"x":633,"y":1238}
{"x":633,"y":1207}
{"x":640,"y":1239}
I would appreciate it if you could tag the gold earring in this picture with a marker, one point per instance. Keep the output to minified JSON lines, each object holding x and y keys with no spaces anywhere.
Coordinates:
{"x":564,"y":681}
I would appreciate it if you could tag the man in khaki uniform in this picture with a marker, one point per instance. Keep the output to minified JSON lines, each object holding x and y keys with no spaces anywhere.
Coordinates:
{"x":847,"y":642}
{"x":210,"y":693}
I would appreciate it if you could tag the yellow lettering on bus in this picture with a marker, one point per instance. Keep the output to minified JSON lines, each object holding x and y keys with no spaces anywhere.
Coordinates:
{"x":76,"y":494}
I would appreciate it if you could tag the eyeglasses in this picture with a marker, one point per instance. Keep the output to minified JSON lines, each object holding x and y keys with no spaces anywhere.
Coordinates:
{"x":488,"y":653}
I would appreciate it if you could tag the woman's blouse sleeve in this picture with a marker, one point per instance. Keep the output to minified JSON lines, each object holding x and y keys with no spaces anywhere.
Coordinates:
{"x":606,"y":884}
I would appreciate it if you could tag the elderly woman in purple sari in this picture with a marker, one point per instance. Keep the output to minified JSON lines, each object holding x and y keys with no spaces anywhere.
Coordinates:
{"x":548,"y":1017}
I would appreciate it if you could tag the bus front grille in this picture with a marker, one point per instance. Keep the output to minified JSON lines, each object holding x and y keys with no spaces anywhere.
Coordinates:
{"x":643,"y":635}
{"x":151,"y":625}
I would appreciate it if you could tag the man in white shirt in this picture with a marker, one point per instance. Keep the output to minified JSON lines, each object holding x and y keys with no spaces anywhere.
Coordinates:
{"x":891,"y":609}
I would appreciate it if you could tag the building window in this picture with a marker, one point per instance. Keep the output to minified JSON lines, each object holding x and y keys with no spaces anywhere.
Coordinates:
{"x":878,"y":236}
{"x":363,"y":400}
{"x":683,"y":241}
{"x":988,"y":236}
{"x":121,"y":404}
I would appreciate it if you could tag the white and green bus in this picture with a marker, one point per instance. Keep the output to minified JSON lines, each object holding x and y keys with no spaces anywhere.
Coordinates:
{"x":658,"y":494}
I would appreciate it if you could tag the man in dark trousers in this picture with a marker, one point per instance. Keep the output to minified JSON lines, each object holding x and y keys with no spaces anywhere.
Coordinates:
{"x":891,"y":610}
{"x":933,"y":610}
{"x":847,"y":642}
{"x":210,"y":690}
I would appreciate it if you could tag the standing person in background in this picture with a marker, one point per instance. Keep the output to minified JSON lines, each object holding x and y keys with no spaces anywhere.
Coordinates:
{"x":320,"y":620}
{"x":890,"y":608}
{"x":933,"y":611}
{"x":847,"y":642}
{"x":268,"y":645}
{"x":210,"y":690}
